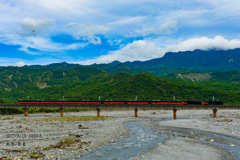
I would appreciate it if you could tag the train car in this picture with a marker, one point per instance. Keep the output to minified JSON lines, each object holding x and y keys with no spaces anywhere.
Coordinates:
{"x":212,"y":103}
{"x":29,"y":102}
{"x":39,"y":102}
{"x":114,"y":102}
{"x":93,"y":102}
{"x":120,"y":102}
{"x":191,"y":102}
{"x":166,"y":102}
{"x":138,"y":102}
{"x":51,"y":102}
{"x":73,"y":102}
{"x":81,"y":102}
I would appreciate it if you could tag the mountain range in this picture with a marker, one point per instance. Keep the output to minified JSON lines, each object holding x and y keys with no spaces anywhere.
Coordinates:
{"x":196,"y":75}
{"x":197,"y":60}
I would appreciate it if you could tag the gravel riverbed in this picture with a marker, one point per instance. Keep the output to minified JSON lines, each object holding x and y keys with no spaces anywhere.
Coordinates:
{"x":24,"y":137}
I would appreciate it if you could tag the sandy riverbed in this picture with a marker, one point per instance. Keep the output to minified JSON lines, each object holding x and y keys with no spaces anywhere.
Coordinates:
{"x":21,"y":136}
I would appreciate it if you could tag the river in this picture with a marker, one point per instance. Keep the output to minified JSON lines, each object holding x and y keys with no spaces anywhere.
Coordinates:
{"x":144,"y":139}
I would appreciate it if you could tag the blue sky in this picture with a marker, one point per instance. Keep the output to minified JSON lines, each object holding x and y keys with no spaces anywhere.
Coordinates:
{"x":93,"y":31}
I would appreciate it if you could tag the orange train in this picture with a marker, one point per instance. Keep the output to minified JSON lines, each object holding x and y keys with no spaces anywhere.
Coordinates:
{"x":120,"y":102}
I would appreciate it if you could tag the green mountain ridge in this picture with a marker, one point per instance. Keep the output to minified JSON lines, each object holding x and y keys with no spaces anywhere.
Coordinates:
{"x":89,"y":83}
{"x":150,"y":80}
{"x":171,"y":62}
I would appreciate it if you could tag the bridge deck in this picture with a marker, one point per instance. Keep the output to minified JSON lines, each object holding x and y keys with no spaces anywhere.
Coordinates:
{"x":123,"y":106}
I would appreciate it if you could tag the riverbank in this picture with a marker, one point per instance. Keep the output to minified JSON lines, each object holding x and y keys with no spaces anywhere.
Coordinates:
{"x":197,"y":137}
{"x":26,"y":137}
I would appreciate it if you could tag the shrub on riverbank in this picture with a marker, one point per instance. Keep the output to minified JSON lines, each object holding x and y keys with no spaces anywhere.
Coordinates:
{"x":84,"y":118}
{"x":6,"y":111}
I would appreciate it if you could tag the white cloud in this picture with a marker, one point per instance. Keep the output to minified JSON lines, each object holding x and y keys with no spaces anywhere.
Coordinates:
{"x":32,"y":27}
{"x":89,"y":31}
{"x":31,"y":23}
{"x":165,"y":28}
{"x":145,"y":50}
{"x":46,"y":19}
{"x":138,"y":50}
{"x":12,"y":62}
{"x":128,"y":20}
{"x":36,"y":34}
{"x":227,"y":9}
{"x":19,"y":64}
{"x":41,"y":45}
{"x":204,"y":43}
{"x":38,"y":61}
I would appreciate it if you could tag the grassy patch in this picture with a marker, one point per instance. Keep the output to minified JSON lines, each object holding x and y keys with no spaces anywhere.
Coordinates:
{"x":6,"y":118}
{"x":36,"y":155}
{"x":6,"y":111}
{"x":78,"y":109}
{"x":85,"y":118}
{"x":64,"y":142}
{"x":67,"y":141}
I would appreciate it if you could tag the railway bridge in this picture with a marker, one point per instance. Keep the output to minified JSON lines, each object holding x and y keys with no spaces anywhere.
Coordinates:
{"x":134,"y":107}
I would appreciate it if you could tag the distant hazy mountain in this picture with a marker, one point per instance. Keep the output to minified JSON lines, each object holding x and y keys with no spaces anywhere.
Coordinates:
{"x":198,"y":60}
{"x":63,"y":65}
{"x":171,"y":62}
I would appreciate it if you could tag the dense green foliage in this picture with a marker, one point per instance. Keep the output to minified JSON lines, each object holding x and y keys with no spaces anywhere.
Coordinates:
{"x":84,"y":82}
{"x":185,"y":81}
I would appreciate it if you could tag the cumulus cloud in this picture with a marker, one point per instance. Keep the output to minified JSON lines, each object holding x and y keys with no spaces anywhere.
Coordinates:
{"x":88,"y":31}
{"x":11,"y":62}
{"x":34,"y":37}
{"x":19,"y":64}
{"x":204,"y":43}
{"x":42,"y":45}
{"x":118,"y":20}
{"x":165,"y":28}
{"x":145,"y":50}
{"x":31,"y":27}
{"x":138,"y":50}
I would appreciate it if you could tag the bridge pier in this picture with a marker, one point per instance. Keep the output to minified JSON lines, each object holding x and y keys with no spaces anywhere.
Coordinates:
{"x":61,"y":111}
{"x":214,"y":113}
{"x":26,"y":112}
{"x":174,"y":113}
{"x":98,"y":112}
{"x":136,"y":112}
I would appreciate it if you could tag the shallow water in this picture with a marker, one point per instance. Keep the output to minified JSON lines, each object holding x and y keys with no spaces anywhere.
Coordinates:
{"x":142,"y":140}
{"x":128,"y":147}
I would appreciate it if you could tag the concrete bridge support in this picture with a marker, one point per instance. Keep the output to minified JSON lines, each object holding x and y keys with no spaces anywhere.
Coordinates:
{"x":174,"y":113}
{"x":61,"y":112}
{"x":136,"y":112}
{"x":98,"y":112}
{"x":26,"y":112}
{"x":214,"y":113}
